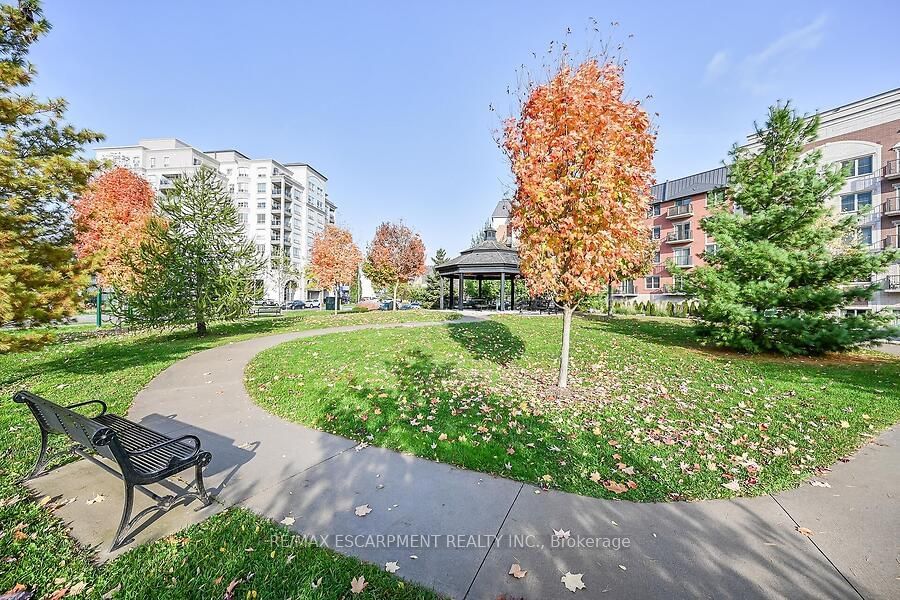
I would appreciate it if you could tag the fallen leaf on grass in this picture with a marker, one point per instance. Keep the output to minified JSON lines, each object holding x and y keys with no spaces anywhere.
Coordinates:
{"x":572,"y":581}
{"x":60,"y":593}
{"x":595,"y":477}
{"x":734,"y":486}
{"x":516,"y":571}
{"x":358,"y":584}
{"x":77,"y":588}
{"x":362,"y":510}
{"x":315,"y":584}
{"x":615,"y":486}
{"x":391,"y":567}
{"x":18,"y":592}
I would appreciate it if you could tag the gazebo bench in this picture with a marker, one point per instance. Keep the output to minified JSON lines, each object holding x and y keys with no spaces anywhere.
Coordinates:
{"x":143,"y":456}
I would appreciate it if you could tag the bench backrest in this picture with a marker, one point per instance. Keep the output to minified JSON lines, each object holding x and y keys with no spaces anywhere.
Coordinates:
{"x":83,"y":430}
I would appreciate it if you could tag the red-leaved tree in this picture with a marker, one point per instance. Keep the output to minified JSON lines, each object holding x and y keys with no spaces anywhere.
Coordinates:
{"x":110,"y":220}
{"x":396,"y":255}
{"x":582,"y":159}
{"x":335,"y":259}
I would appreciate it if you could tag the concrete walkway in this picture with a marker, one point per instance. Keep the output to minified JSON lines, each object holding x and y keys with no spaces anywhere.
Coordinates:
{"x":464,"y":529}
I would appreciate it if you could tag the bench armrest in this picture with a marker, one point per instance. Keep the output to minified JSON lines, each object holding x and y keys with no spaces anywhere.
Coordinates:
{"x":183,"y":438}
{"x":100,"y":402}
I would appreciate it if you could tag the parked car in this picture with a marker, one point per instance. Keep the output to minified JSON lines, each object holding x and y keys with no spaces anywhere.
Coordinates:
{"x":294,"y":305}
{"x":313,"y":304}
{"x":387,"y":305}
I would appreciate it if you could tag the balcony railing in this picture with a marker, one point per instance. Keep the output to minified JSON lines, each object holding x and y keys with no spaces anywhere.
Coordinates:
{"x":625,"y":289}
{"x":673,"y":288}
{"x":677,"y":212}
{"x":892,"y":283}
{"x":276,"y":191}
{"x":891,"y":169}
{"x":889,"y":243}
{"x":675,"y":237}
{"x":891,"y":205}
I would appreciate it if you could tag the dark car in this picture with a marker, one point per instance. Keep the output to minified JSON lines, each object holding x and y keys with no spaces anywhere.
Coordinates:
{"x":295,"y":305}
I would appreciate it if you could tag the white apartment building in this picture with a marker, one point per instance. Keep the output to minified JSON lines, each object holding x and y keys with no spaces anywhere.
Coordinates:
{"x":282,"y":205}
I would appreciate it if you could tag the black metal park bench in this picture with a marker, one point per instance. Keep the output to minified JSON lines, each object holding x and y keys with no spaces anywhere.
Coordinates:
{"x":142,"y":455}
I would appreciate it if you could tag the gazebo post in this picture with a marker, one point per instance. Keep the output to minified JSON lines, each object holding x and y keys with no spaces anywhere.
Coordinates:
{"x":512,"y":292}
{"x":479,"y":287}
{"x":502,"y":288}
{"x":442,"y":294}
{"x":462,"y":289}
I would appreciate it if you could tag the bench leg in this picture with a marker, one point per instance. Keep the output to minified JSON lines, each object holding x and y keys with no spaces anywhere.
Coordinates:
{"x":41,"y":459}
{"x":201,"y":489}
{"x":125,"y":523}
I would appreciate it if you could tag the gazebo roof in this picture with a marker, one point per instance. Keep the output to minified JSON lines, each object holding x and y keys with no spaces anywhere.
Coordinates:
{"x":489,"y":257}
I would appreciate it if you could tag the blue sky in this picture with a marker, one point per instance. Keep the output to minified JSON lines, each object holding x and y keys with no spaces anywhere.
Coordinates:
{"x":391,"y":99}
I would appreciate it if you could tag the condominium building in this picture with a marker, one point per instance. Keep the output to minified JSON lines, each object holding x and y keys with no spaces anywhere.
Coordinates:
{"x":862,"y":137}
{"x":282,"y":205}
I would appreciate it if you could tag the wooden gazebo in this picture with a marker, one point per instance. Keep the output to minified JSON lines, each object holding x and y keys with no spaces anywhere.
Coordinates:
{"x":488,"y":260}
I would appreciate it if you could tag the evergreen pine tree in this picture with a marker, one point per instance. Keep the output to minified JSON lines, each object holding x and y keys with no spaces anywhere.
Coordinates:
{"x":431,"y":295}
{"x":195,"y":264}
{"x":785,"y":263}
{"x":40,"y":173}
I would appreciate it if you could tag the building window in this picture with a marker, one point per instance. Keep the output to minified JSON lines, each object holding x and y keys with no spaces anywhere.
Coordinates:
{"x":196,"y":162}
{"x":711,"y":248}
{"x":242,"y":218}
{"x":229,"y":172}
{"x":152,"y":162}
{"x":856,"y":202}
{"x":715,"y":197}
{"x":683,"y":231}
{"x":654,"y":210}
{"x":242,"y":172}
{"x":857,"y":166}
{"x":165,"y":161}
{"x":242,"y":187}
{"x":652,"y":282}
{"x":261,"y":248}
{"x":261,"y":187}
{"x":243,"y":204}
{"x":656,"y":233}
{"x":682,"y":257}
{"x":230,"y":188}
{"x":683,"y":202}
{"x":657,"y":258}
{"x":261,"y":204}
{"x":261,"y":219}
{"x":865,"y":236}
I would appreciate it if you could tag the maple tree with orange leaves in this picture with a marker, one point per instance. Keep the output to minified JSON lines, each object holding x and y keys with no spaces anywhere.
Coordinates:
{"x":334,"y":259}
{"x":582,"y":157}
{"x":110,"y":222}
{"x":396,"y":255}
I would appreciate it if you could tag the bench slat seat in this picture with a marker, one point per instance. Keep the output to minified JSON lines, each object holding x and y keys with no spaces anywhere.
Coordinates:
{"x":143,"y":456}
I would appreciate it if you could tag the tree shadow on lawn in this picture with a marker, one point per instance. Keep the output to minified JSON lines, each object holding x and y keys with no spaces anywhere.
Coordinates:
{"x":488,"y":340}
{"x":416,"y":390}
{"x":656,"y":331}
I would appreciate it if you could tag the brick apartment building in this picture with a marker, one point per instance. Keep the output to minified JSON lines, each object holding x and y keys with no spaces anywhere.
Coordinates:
{"x":863,"y":137}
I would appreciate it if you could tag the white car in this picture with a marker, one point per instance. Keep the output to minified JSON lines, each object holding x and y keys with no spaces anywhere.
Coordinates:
{"x":313,"y":304}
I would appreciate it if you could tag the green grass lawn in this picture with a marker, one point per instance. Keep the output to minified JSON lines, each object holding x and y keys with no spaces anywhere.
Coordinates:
{"x":649,"y":416}
{"x":82,"y":365}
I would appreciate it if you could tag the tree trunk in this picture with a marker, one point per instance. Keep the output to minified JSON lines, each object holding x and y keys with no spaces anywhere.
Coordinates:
{"x":394,"y":307}
{"x":336,"y":288}
{"x":564,"y":355}
{"x":609,"y":298}
{"x":201,"y":328}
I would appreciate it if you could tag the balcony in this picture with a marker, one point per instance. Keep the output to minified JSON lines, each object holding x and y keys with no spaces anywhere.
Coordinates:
{"x":680,"y":212}
{"x":891,"y":283}
{"x":891,"y":169}
{"x":625,"y":289}
{"x":276,"y":192}
{"x":276,"y":207}
{"x":891,"y":206}
{"x":889,"y":243}
{"x":683,"y":237}
{"x":673,"y":289}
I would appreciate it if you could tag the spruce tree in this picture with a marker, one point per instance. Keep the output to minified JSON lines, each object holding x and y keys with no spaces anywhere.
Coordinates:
{"x":195,"y":264}
{"x":40,"y":173}
{"x":785,"y":262}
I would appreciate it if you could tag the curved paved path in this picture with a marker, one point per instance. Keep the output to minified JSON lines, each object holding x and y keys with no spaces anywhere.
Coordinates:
{"x":467,"y":528}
